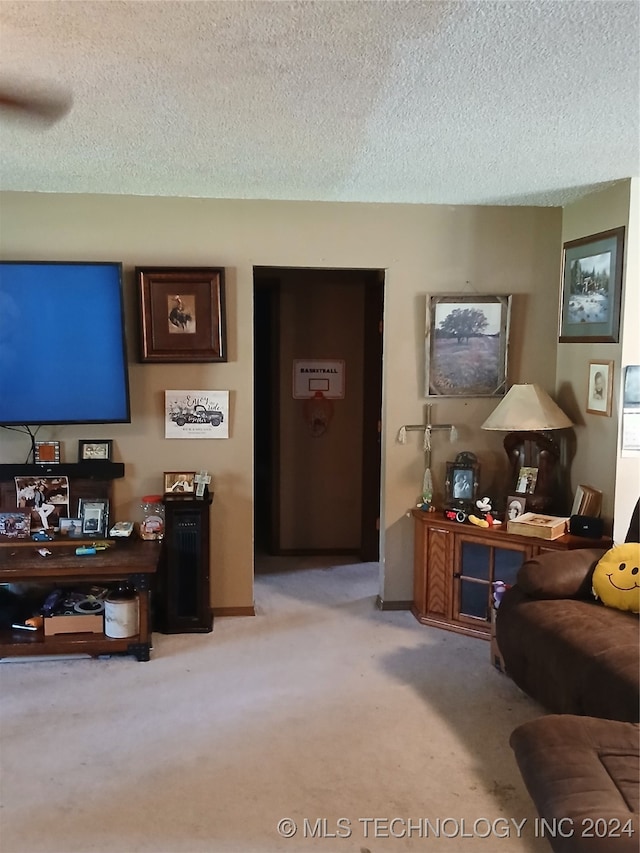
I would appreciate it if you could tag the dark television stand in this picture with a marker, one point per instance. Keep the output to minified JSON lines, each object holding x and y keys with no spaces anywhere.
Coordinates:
{"x":133,"y":561}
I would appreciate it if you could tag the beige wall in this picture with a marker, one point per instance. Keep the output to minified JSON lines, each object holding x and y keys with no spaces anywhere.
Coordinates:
{"x":424,"y":249}
{"x":596,"y":459}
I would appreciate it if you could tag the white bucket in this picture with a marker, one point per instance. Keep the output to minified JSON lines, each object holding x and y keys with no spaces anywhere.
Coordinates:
{"x":121,"y":617}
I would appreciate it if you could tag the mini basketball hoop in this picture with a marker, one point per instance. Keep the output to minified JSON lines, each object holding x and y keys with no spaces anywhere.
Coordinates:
{"x":318,"y":411}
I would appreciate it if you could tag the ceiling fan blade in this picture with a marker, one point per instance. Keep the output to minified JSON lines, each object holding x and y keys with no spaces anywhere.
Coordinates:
{"x":46,"y":105}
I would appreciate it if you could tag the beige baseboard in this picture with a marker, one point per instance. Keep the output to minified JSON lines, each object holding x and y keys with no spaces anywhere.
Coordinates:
{"x":234,"y":611}
{"x":393,"y":605}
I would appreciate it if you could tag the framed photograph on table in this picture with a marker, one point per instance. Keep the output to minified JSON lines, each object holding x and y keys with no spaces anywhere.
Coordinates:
{"x":592,"y":288}
{"x":466,"y":342}
{"x":527,"y":478}
{"x":71,"y":527}
{"x":179,"y":482}
{"x":94,"y":517}
{"x":461,"y":483}
{"x":95,"y":450}
{"x":182,"y":314}
{"x":600,"y":388}
{"x":14,"y":525}
{"x":516,"y":506}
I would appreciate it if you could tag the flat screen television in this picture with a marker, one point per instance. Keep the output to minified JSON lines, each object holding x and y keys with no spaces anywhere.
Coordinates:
{"x":63,"y":355}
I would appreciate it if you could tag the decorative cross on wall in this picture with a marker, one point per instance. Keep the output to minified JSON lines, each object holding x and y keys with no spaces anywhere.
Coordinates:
{"x":202,"y":478}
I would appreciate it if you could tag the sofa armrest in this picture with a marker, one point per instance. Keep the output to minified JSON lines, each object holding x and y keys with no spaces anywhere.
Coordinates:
{"x":560,"y":574}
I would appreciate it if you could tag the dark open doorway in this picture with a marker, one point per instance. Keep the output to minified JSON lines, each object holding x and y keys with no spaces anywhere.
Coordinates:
{"x":317,"y":492}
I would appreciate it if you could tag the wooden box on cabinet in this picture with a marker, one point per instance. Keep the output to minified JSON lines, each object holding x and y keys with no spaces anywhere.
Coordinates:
{"x":182,"y":602}
{"x":456,"y":564}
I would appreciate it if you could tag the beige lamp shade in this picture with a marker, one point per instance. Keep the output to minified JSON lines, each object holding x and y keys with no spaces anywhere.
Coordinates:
{"x":527,"y":408}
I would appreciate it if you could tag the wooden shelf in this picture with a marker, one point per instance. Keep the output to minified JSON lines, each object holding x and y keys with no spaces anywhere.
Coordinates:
{"x":76,"y":470}
{"x":16,"y":643}
{"x":131,"y":561}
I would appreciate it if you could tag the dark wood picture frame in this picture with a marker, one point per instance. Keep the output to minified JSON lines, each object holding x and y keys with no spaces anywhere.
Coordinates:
{"x":592,"y":288}
{"x":182,"y":314}
{"x":95,"y":449}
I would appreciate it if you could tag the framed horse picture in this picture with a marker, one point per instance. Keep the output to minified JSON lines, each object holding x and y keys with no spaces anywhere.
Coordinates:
{"x":182,"y":314}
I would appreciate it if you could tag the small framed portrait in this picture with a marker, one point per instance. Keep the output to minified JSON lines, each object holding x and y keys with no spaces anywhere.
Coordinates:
{"x":600,"y":388}
{"x":71,"y":527}
{"x":47,"y":453}
{"x":14,"y":525}
{"x":94,"y":517}
{"x":527,"y":481}
{"x":516,"y":505}
{"x":461,"y":483}
{"x":179,"y":482}
{"x":95,"y":450}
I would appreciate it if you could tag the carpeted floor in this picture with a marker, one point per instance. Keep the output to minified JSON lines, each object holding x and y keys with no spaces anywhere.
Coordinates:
{"x":366,"y":729}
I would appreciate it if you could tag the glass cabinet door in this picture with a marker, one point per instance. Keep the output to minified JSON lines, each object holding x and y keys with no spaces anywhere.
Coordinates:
{"x":479,"y":565}
{"x":474,"y":579}
{"x":506,"y":563}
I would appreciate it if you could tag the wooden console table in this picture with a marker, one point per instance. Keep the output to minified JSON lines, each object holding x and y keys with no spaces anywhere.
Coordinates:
{"x":456,"y":564}
{"x":132,"y":561}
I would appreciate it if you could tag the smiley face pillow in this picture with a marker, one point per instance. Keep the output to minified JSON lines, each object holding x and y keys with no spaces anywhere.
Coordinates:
{"x":616,"y":577}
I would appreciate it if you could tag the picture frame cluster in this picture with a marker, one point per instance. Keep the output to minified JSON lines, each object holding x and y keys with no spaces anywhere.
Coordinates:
{"x":590,"y":305}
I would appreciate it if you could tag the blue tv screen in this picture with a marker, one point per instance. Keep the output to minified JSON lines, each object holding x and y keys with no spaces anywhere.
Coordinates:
{"x":63,"y":355}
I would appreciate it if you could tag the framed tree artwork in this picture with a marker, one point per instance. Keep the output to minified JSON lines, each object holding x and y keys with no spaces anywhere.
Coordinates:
{"x":466,"y":345}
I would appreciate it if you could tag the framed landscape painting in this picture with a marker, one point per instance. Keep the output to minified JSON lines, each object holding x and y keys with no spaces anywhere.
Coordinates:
{"x":592,"y":288}
{"x":466,"y":345}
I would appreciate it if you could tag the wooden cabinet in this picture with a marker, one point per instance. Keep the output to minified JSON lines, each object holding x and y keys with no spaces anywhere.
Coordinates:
{"x":456,"y":564}
{"x":182,"y":600}
{"x":134,"y":562}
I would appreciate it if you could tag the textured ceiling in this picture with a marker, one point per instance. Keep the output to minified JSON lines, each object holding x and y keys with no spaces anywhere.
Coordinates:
{"x":423,"y":102}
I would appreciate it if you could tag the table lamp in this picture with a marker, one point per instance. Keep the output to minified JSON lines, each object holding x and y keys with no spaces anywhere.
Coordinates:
{"x":528,"y":414}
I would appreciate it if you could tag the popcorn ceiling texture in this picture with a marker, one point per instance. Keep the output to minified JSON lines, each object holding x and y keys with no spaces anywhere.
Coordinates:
{"x":420,"y":102}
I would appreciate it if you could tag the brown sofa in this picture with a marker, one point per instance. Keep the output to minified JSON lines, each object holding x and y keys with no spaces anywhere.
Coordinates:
{"x":564,"y":648}
{"x":581,"y":661}
{"x":582,"y":774}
